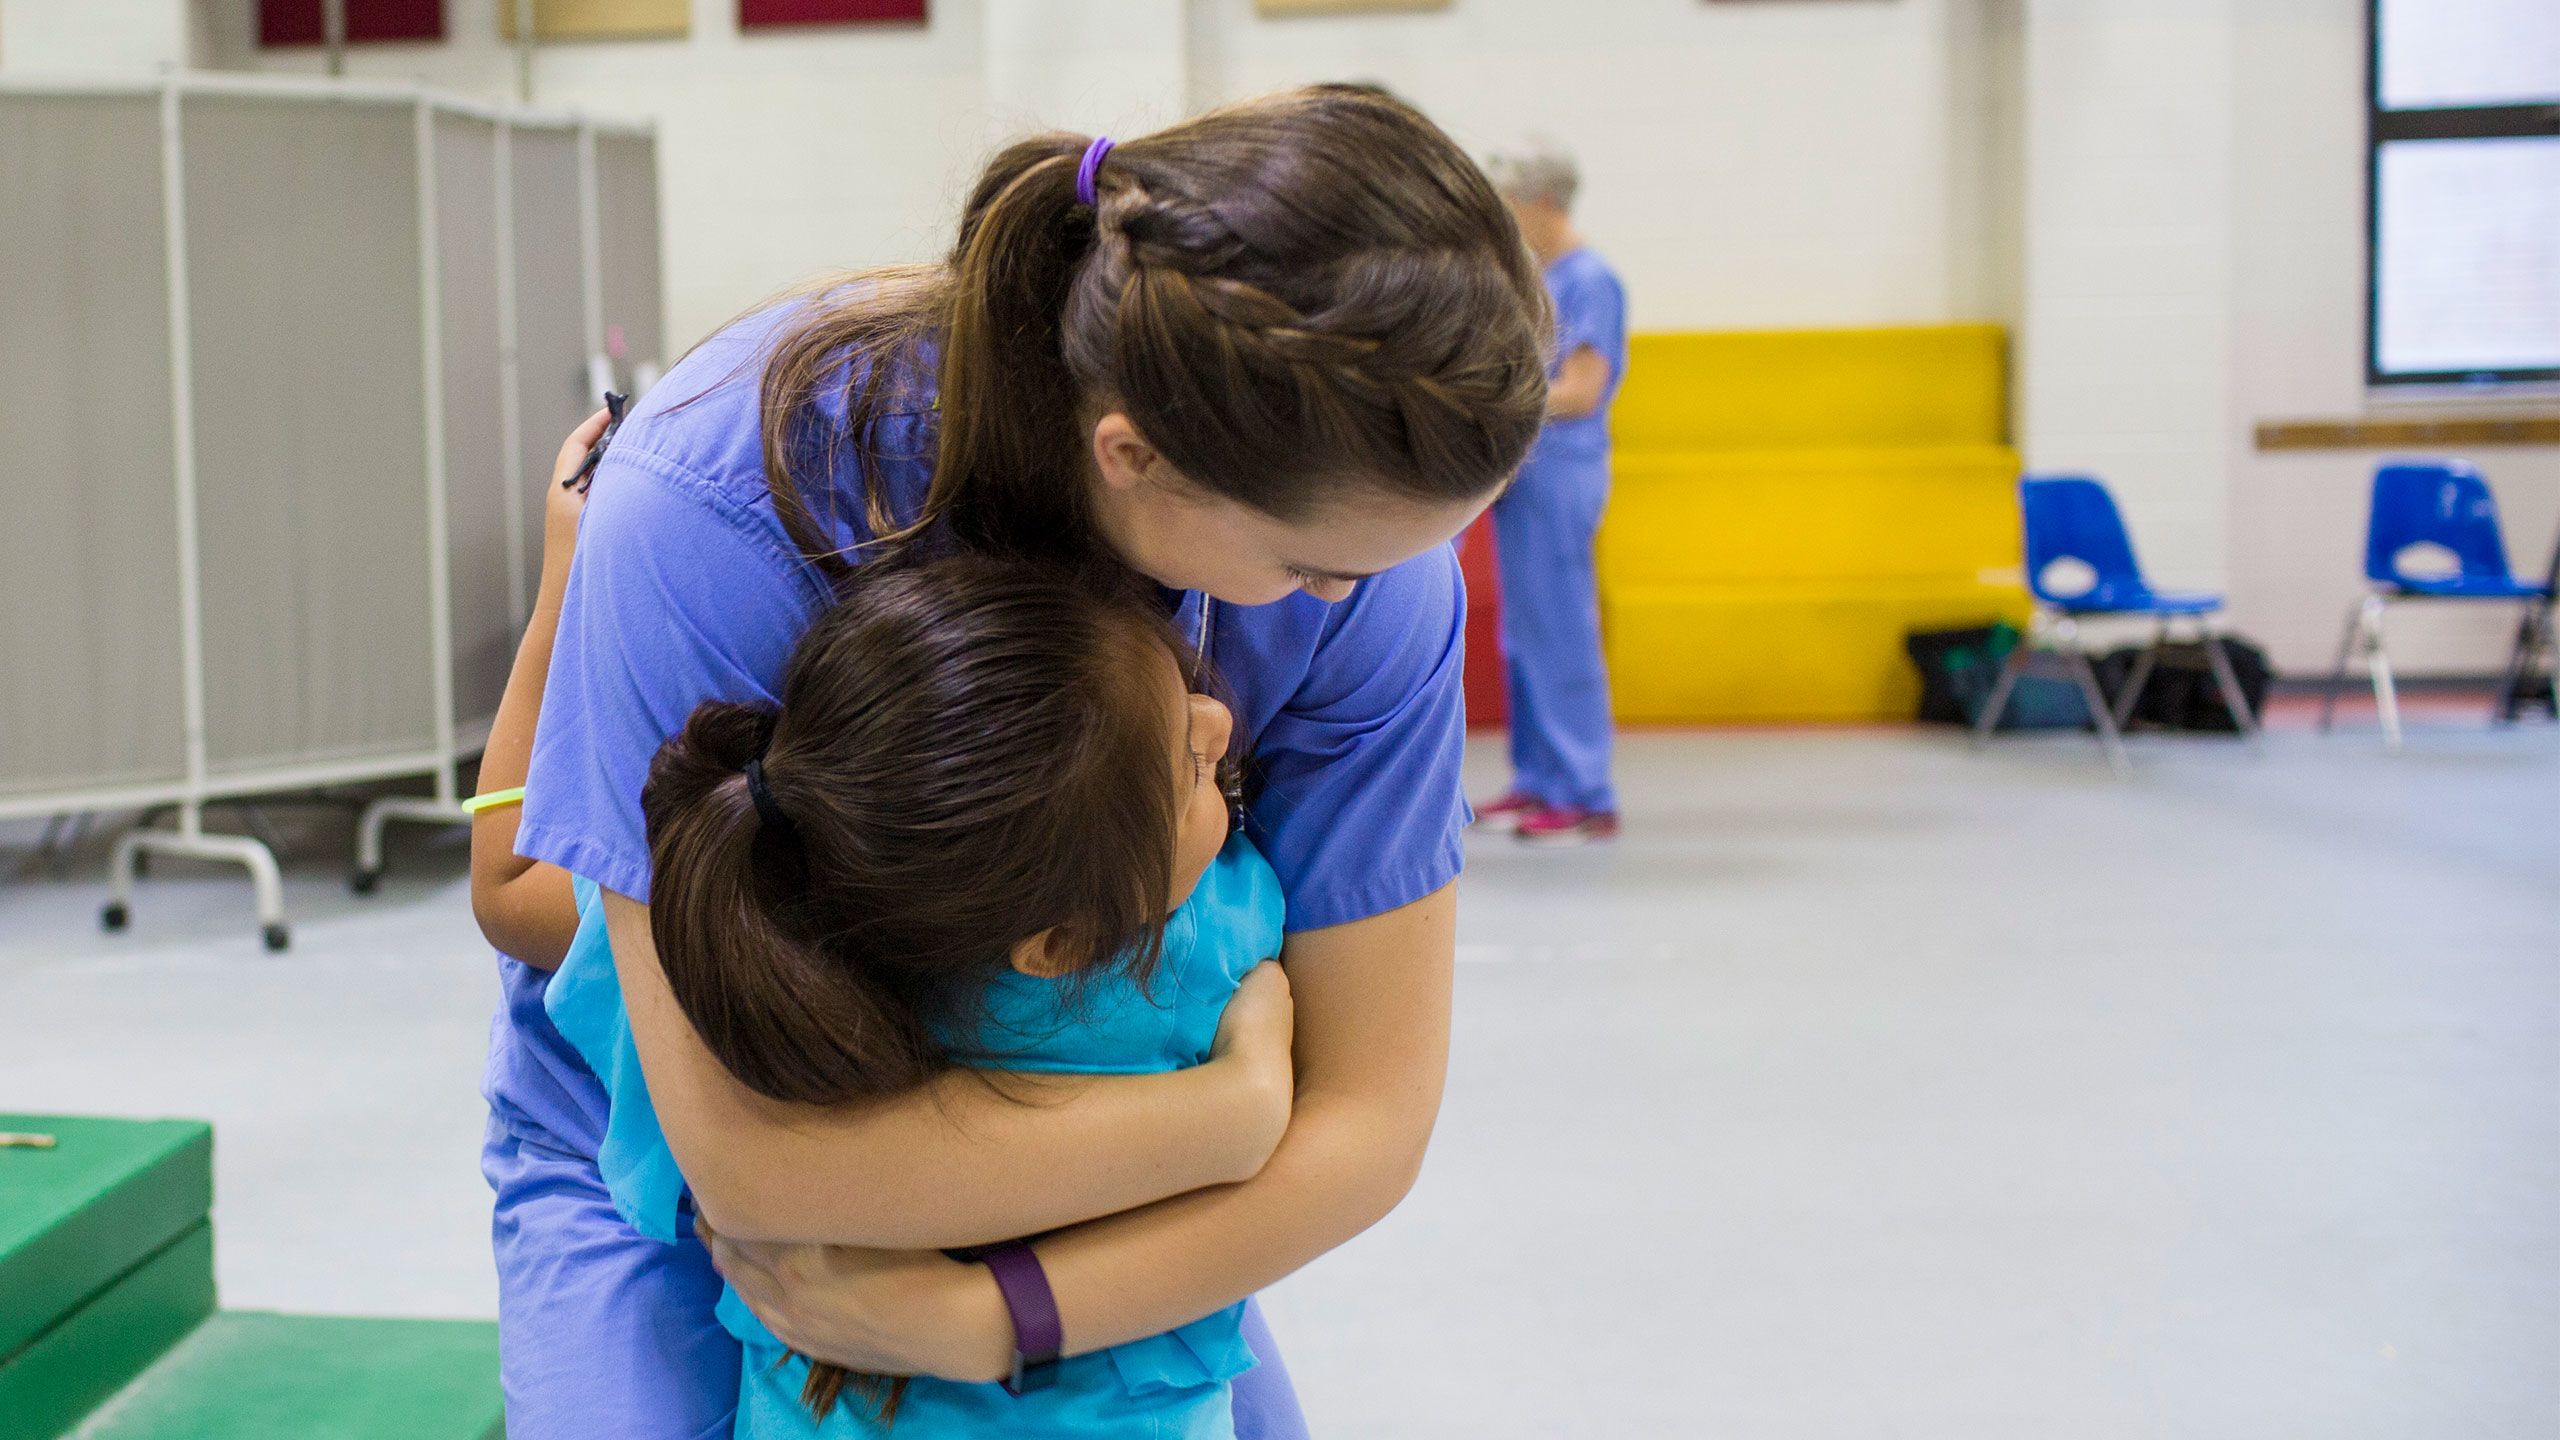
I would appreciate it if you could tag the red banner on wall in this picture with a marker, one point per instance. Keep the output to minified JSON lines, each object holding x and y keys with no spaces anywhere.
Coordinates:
{"x":754,"y":14}
{"x":1488,"y":702}
{"x":297,"y":22}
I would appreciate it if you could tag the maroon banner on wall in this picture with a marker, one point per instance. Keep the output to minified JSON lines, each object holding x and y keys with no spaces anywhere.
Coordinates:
{"x":297,"y":22}
{"x":756,"y":14}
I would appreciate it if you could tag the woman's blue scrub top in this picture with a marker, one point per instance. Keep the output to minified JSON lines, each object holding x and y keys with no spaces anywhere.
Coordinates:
{"x":686,"y":589}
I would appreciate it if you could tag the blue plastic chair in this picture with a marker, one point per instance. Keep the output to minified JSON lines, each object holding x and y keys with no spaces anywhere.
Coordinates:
{"x":2445,"y":504}
{"x":2073,"y":518}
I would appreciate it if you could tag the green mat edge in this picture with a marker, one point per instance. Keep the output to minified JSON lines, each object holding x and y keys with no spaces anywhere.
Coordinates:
{"x":141,"y":1412}
{"x":71,"y":1262}
{"x":98,"y":1349}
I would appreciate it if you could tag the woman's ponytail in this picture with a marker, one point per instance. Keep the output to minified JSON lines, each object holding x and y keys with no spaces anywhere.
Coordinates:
{"x":1009,"y":476}
{"x":772,"y":1005}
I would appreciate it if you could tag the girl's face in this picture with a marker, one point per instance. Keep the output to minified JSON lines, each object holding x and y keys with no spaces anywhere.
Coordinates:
{"x":1201,"y":729}
{"x":1183,"y":538}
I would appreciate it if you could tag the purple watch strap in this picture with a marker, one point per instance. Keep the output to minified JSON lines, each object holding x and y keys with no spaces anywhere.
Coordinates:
{"x":1038,"y":1335}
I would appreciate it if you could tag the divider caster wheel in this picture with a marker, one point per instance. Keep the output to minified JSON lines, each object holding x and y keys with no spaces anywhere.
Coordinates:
{"x":278,"y":937}
{"x":363,"y":882}
{"x":115,"y":916}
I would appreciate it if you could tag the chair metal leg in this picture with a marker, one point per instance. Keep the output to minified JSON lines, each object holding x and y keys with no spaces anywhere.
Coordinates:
{"x":2138,"y":677}
{"x":2338,"y":677}
{"x":2108,"y":734}
{"x":2386,"y":693}
{"x":2546,"y":653}
{"x":2010,"y":669}
{"x":2533,"y":637}
{"x":2229,"y":681}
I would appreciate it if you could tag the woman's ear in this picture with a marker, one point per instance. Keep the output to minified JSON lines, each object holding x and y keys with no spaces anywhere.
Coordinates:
{"x":1044,"y":956}
{"x":1121,"y":454}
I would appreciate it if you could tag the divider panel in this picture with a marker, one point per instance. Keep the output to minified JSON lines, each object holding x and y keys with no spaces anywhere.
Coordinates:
{"x":303,"y":246}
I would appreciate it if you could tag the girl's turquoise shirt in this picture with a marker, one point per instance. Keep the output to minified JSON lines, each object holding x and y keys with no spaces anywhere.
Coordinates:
{"x":1167,"y":1385}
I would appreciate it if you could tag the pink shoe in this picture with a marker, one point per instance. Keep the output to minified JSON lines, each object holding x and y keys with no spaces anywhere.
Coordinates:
{"x":1505,"y":813}
{"x":1561,"y":825}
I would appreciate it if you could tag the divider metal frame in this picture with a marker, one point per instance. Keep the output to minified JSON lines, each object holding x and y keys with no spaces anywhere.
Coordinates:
{"x":449,"y":738}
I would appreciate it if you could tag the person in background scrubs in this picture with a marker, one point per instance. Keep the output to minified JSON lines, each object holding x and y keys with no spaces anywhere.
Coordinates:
{"x":1561,"y":792}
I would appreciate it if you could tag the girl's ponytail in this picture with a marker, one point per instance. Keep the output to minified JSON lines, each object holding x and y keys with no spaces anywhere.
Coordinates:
{"x":790,"y":1021}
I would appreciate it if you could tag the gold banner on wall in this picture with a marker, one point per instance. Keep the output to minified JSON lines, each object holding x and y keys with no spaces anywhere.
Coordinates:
{"x":600,"y":19}
{"x":1344,"y":7}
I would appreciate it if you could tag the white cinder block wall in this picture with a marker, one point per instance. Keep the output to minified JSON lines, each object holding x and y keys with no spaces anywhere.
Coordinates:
{"x":780,"y":155}
{"x":1772,"y":165}
{"x":2163,"y":199}
{"x":2296,"y":518}
{"x":1744,"y":165}
{"x":2193,"y":233}
{"x":2123,"y":340}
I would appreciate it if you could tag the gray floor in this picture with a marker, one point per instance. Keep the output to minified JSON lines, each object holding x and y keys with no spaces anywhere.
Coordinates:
{"x":1869,"y":1088}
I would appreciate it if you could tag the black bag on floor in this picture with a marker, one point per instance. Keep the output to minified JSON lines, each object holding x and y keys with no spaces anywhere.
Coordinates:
{"x":2181,"y":693}
{"x":1959,"y":667}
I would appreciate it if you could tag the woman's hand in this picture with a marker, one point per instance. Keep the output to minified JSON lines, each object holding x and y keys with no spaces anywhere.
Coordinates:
{"x":884,"y":1312}
{"x":1253,"y":1043}
{"x":919,"y":1312}
{"x":564,"y":503}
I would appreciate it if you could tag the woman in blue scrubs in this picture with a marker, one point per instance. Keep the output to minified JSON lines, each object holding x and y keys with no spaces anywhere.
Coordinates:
{"x":1267,"y":361}
{"x":1543,"y":527}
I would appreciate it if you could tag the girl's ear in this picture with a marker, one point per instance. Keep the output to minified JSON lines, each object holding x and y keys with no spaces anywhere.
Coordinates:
{"x":1123,"y":455}
{"x":1044,"y":956}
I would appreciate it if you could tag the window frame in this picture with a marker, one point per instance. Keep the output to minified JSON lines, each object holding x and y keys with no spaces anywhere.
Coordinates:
{"x":2533,"y":121}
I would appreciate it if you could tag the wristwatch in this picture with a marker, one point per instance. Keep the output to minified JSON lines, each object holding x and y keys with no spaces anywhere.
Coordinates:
{"x":1038,"y":1335}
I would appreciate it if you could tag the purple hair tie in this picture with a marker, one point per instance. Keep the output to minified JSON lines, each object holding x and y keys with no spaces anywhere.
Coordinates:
{"x":1093,"y":154}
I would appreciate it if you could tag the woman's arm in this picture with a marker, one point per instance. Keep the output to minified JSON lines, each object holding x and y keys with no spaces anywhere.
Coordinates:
{"x":524,"y":907}
{"x":1373,"y":1028}
{"x":954,"y":1163}
{"x":1576,"y":390}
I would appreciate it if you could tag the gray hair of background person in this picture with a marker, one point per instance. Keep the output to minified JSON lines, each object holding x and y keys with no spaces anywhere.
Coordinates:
{"x":1536,"y":169}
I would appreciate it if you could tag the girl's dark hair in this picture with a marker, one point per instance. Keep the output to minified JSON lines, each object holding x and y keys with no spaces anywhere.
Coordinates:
{"x":1295,"y":298}
{"x":969,"y":751}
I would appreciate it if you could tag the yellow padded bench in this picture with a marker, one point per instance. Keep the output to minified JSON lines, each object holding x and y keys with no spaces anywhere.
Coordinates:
{"x":1786,"y":504}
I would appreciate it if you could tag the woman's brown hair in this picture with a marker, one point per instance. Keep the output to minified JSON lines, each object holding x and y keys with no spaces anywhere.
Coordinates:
{"x":1303,"y":297}
{"x":969,"y":752}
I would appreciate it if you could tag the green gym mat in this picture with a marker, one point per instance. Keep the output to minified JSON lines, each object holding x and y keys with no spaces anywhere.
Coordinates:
{"x":108,"y":1195}
{"x":92,"y":1352}
{"x":246,"y":1374}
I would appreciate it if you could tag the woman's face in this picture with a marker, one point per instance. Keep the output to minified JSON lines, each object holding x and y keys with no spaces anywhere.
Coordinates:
{"x":1183,"y":538}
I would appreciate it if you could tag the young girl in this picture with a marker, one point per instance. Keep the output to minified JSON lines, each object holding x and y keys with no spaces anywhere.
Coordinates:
{"x":955,"y":842}
{"x":1270,"y":359}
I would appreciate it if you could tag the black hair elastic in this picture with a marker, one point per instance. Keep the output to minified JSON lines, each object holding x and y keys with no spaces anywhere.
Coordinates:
{"x":761,"y":793}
